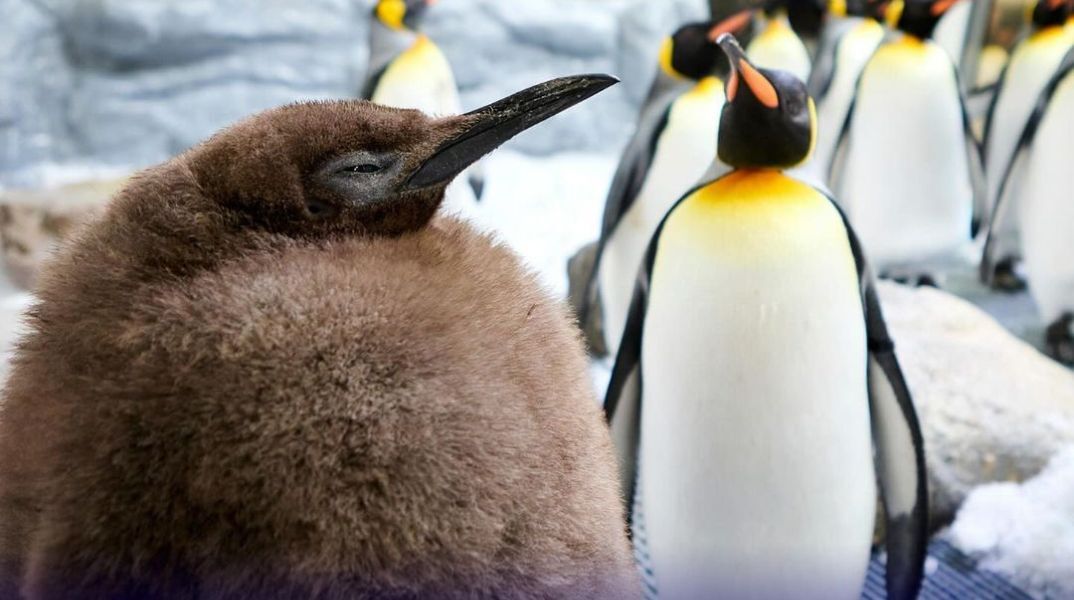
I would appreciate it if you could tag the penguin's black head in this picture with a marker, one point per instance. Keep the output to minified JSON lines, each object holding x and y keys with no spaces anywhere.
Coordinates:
{"x":869,"y":9}
{"x":769,"y":120}
{"x":402,"y":14}
{"x":353,"y":167}
{"x":915,"y":17}
{"x":692,"y":53}
{"x":1048,"y":13}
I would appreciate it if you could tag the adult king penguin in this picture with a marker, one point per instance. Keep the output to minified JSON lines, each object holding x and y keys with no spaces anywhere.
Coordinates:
{"x":672,"y":148}
{"x":1033,"y":63}
{"x":407,"y":70}
{"x":1043,"y":207}
{"x":754,"y":357}
{"x":910,"y":177}
{"x":850,"y":39}
{"x":268,"y":371}
{"x":777,"y":46}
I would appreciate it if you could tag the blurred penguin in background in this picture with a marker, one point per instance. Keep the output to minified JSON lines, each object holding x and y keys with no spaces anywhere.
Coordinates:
{"x":270,"y":371}
{"x":754,"y":375}
{"x":908,"y":171}
{"x":777,"y":45}
{"x":407,"y":70}
{"x":673,"y":145}
{"x":1040,"y":199}
{"x":851,"y":36}
{"x":953,"y":29}
{"x":1033,"y":63}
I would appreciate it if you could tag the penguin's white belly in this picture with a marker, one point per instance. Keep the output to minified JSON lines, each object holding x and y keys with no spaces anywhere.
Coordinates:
{"x":684,"y":152}
{"x":419,"y":78}
{"x":1033,"y":64}
{"x":906,"y":181}
{"x":756,"y":464}
{"x":951,"y":31}
{"x":854,"y":51}
{"x":1047,"y":208}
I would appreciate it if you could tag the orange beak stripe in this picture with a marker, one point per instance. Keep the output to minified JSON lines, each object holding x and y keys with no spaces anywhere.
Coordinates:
{"x":732,"y":24}
{"x":941,"y":7}
{"x":1054,"y":4}
{"x":760,"y":86}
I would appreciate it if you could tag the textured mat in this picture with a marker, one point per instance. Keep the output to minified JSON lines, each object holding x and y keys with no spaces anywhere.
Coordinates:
{"x":949,"y":574}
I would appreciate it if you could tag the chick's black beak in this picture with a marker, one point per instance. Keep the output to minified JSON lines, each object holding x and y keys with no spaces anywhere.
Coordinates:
{"x":491,"y":126}
{"x":742,"y":70}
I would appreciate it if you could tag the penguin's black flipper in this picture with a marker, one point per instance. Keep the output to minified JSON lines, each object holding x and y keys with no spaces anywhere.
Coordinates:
{"x":900,"y":446}
{"x":820,"y":78}
{"x":627,"y":182}
{"x":622,"y":403}
{"x":1002,"y":207}
{"x":371,"y":83}
{"x":900,"y":458}
{"x":975,"y":159}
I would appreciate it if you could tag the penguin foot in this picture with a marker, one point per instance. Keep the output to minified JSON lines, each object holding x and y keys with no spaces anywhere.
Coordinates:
{"x":1059,"y":340}
{"x":927,"y":280}
{"x":1005,"y":277}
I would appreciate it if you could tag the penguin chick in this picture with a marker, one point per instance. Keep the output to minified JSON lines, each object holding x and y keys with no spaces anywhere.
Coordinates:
{"x":268,"y":372}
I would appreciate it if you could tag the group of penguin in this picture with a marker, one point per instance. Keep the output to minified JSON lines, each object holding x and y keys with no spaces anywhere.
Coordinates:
{"x":895,"y":147}
{"x":274,"y":368}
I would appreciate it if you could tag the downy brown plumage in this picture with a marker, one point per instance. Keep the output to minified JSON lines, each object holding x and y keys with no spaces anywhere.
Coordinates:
{"x":268,"y":371}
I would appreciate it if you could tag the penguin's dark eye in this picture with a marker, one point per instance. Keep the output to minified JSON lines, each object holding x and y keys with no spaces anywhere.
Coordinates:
{"x":360,"y":169}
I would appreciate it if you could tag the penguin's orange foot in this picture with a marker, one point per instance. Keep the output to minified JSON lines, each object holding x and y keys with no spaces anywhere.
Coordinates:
{"x":1059,"y":340}
{"x":1005,"y":277}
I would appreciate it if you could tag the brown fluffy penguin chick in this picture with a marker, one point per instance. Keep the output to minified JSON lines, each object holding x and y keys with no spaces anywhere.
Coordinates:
{"x":268,"y":372}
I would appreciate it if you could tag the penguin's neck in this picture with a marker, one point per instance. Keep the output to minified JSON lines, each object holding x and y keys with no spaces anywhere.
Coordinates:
{"x":1050,"y":32}
{"x":706,"y":86}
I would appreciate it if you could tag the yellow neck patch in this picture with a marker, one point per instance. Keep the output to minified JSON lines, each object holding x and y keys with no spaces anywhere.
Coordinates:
{"x":391,"y":13}
{"x":667,"y":49}
{"x":838,"y":7}
{"x":707,"y":86}
{"x":893,"y":13}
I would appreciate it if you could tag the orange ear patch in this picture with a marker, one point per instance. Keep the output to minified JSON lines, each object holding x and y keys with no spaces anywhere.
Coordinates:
{"x":761,"y":87}
{"x":731,"y":24}
{"x":941,"y":7}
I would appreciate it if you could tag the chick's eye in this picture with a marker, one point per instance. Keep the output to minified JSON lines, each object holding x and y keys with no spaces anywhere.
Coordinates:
{"x":361,"y":169}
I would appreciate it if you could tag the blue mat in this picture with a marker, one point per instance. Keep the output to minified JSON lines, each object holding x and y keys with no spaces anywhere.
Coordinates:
{"x":949,"y":574}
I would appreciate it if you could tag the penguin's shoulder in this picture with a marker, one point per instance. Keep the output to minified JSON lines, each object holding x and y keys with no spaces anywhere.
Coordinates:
{"x":756,"y":215}
{"x":909,"y":57}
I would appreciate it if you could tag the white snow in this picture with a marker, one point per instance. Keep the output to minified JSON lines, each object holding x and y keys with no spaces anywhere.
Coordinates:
{"x":1024,"y":531}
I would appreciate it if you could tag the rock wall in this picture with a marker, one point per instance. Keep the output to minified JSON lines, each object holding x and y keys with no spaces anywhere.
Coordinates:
{"x":127,"y":83}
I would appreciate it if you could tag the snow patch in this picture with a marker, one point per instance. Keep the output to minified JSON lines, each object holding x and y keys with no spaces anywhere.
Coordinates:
{"x":1025,"y":532}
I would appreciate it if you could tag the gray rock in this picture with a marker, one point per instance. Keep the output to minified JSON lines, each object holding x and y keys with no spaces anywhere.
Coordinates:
{"x":128,"y":83}
{"x":992,"y":407}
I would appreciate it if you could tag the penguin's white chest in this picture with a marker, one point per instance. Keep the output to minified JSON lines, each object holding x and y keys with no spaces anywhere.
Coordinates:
{"x":906,"y":183}
{"x":855,"y":48}
{"x":420,"y":78}
{"x":755,"y":458}
{"x":1031,"y":66}
{"x":684,"y":151}
{"x":1047,"y":208}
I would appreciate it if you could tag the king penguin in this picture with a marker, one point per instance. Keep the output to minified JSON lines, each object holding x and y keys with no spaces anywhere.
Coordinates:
{"x":1040,"y":164}
{"x":270,"y":370}
{"x":777,"y":46}
{"x":1033,"y":62}
{"x":909,"y":175}
{"x":754,"y":364}
{"x":407,"y":70}
{"x":671,"y":150}
{"x":850,"y":38}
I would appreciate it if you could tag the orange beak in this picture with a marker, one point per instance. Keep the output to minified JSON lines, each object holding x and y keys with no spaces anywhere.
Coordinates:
{"x":733,"y":24}
{"x":741,"y":68}
{"x":941,"y":7}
